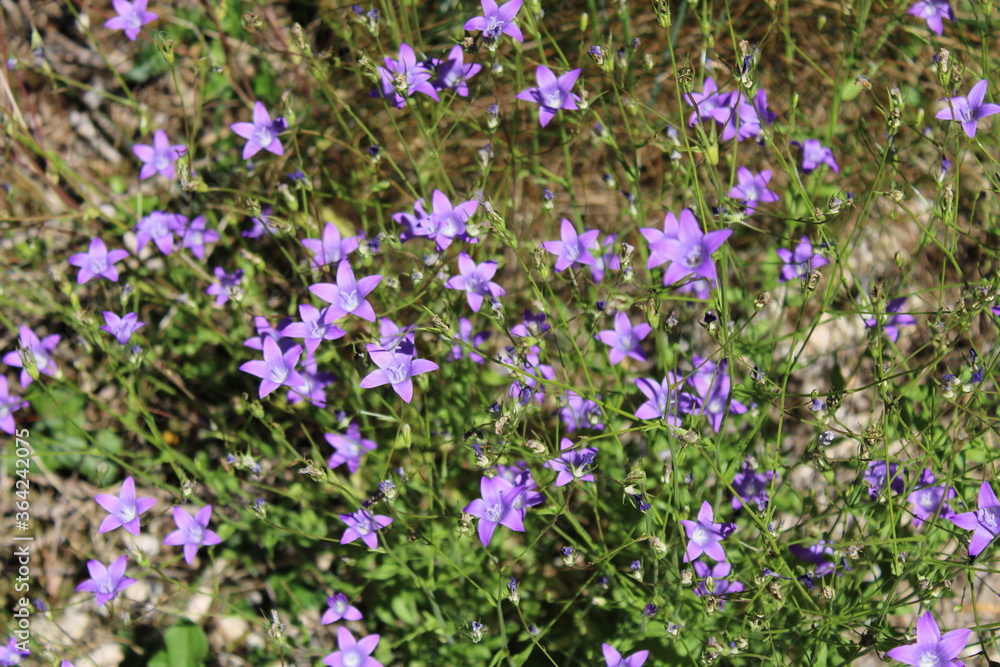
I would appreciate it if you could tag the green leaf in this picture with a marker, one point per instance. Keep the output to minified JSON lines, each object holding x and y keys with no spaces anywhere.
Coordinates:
{"x":186,"y":646}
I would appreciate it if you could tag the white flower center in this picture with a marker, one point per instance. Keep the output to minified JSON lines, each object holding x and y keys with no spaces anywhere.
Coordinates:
{"x":699,"y":536}
{"x":929,"y":659}
{"x":349,"y":300}
{"x":694,"y":257}
{"x":397,"y":373}
{"x":279,"y":374}
{"x":351,"y":657}
{"x":264,"y":136}
{"x":98,"y":265}
{"x":494,"y":513}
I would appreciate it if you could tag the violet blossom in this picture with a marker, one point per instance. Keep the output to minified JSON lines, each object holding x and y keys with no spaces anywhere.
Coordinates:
{"x":365,"y":525}
{"x":476,"y":280}
{"x":573,"y":464}
{"x":277,"y":368}
{"x":349,"y":448}
{"x":552,"y":94}
{"x":106,"y":582}
{"x":801,"y":262}
{"x":348,"y":296}
{"x":496,"y":507}
{"x":330,"y":248}
{"x":97,"y":261}
{"x":131,"y":17}
{"x":123,"y":509}
{"x":397,"y":369}
{"x":704,"y":535}
{"x":122,"y":328}
{"x":985,"y":521}
{"x":261,"y":133}
{"x":40,"y":351}
{"x":624,"y":340}
{"x":192,"y":532}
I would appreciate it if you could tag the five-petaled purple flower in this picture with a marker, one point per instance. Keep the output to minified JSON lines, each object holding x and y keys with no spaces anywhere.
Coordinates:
{"x":106,"y":582}
{"x":131,"y":17}
{"x":497,"y":21}
{"x":330,"y":248}
{"x":348,"y":296}
{"x":277,"y":368}
{"x":401,"y":78}
{"x":931,"y":649}
{"x":228,"y":284}
{"x":664,"y":399}
{"x":801,"y":262}
{"x":353,"y":652}
{"x":364,"y":525}
{"x":933,"y":11}
{"x":476,"y":280}
{"x":192,"y":532}
{"x":704,"y":535}
{"x":614,"y":659}
{"x":261,"y":133}
{"x":551,"y":93}
{"x":196,"y":237}
{"x":752,"y":189}
{"x":453,"y":73}
{"x":721,"y":586}
{"x":124,"y":509}
{"x":465,"y":335}
{"x":814,"y":153}
{"x":625,"y":340}
{"x":9,"y":403}
{"x":395,"y":368}
{"x":160,"y":157}
{"x":968,"y":110}
{"x":340,"y":607}
{"x":40,"y":351}
{"x":11,"y":653}
{"x":573,"y":464}
{"x":97,"y":261}
{"x":122,"y":327}
{"x":687,"y":248}
{"x":315,"y":327}
{"x":985,"y":521}
{"x":580,"y":412}
{"x":876,"y":476}
{"x":712,"y":384}
{"x":751,"y":487}
{"x":894,"y":321}
{"x":573,"y":248}
{"x":159,"y":227}
{"x":349,"y":446}
{"x":496,"y":507}
{"x":929,"y":499}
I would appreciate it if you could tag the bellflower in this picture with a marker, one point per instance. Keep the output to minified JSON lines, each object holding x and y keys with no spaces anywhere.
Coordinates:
{"x":401,"y":78}
{"x":340,"y":608}
{"x":124,"y":509}
{"x":533,"y":326}
{"x":277,"y":368}
{"x":690,"y":252}
{"x":131,"y":17}
{"x":605,"y":258}
{"x":520,"y":476}
{"x":704,"y":535}
{"x":721,"y":586}
{"x":353,"y":652}
{"x":624,"y":340}
{"x":465,"y":335}
{"x":931,"y":649}
{"x":895,"y":320}
{"x":752,"y":189}
{"x":159,"y":227}
{"x":9,"y":403}
{"x":315,"y":327}
{"x":751,"y":487}
{"x":11,"y":653}
{"x":664,"y":399}
{"x":496,"y":507}
{"x":712,"y":384}
{"x":801,"y":262}
{"x":929,"y":499}
{"x":394,"y":338}
{"x":614,"y":659}
{"x":122,"y":327}
{"x":196,"y":237}
{"x":551,"y":93}
{"x":364,"y":525}
{"x":816,"y":553}
{"x":97,"y":261}
{"x":348,"y":296}
{"x":261,"y":225}
{"x":814,"y":153}
{"x":40,"y":351}
{"x":445,"y":223}
{"x":265,"y":330}
{"x":349,"y":448}
{"x":573,"y":464}
{"x":985,"y":521}
{"x":476,"y":280}
{"x":314,"y":384}
{"x":261,"y":133}
{"x":968,"y":110}
{"x":106,"y":582}
{"x":707,"y":101}
{"x":876,"y":476}
{"x":330,"y":248}
{"x":933,"y":11}
{"x":580,"y":412}
{"x":497,"y":21}
{"x":160,"y":157}
{"x":526,"y":388}
{"x":453,"y":73}
{"x":192,"y":532}
{"x":742,"y":118}
{"x":397,"y":369}
{"x":573,"y":248}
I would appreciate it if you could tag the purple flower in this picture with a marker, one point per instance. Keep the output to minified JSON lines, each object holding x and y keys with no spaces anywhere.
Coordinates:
{"x":122,"y":327}
{"x":229,"y":284}
{"x":496,"y":507}
{"x":573,"y":248}
{"x":580,"y":412}
{"x":664,"y":399}
{"x":625,"y":340}
{"x":933,"y":11}
{"x":752,"y":189}
{"x":277,"y":368}
{"x":497,"y":21}
{"x":614,"y":659}
{"x":721,"y":586}
{"x":453,"y":73}
{"x":196,"y":237}
{"x":330,"y":249}
{"x":712,"y":385}
{"x":895,"y":321}
{"x":814,"y":153}
{"x":968,"y":110}
{"x":985,"y":521}
{"x":401,"y":78}
{"x":393,"y":338}
{"x":704,"y":535}
{"x":192,"y":532}
{"x":476,"y":280}
{"x":261,"y":225}
{"x":159,"y":227}
{"x":751,"y":487}
{"x":929,"y":499}
{"x":520,"y":476}
{"x":131,"y":17}
{"x":817,"y":554}
{"x":97,"y":261}
{"x":315,"y":327}
{"x":573,"y":464}
{"x":349,"y":446}
{"x":741,"y":118}
{"x":526,"y":388}
{"x":605,"y":258}
{"x":340,"y":608}
{"x":465,"y":335}
{"x":160,"y":157}
{"x":395,"y":368}
{"x":689,"y":251}
{"x":876,"y":476}
{"x":11,"y":653}
{"x":446,"y":222}
{"x":551,"y":93}
{"x":706,"y":102}
{"x":353,"y":652}
{"x":261,"y":133}
{"x":124,"y":509}
{"x":265,"y":330}
{"x":533,"y":326}
{"x":801,"y":262}
{"x":314,"y":384}
{"x":40,"y":351}
{"x":364,"y":525}
{"x":931,"y":648}
{"x":106,"y":582}
{"x":348,"y":296}
{"x":9,"y":403}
